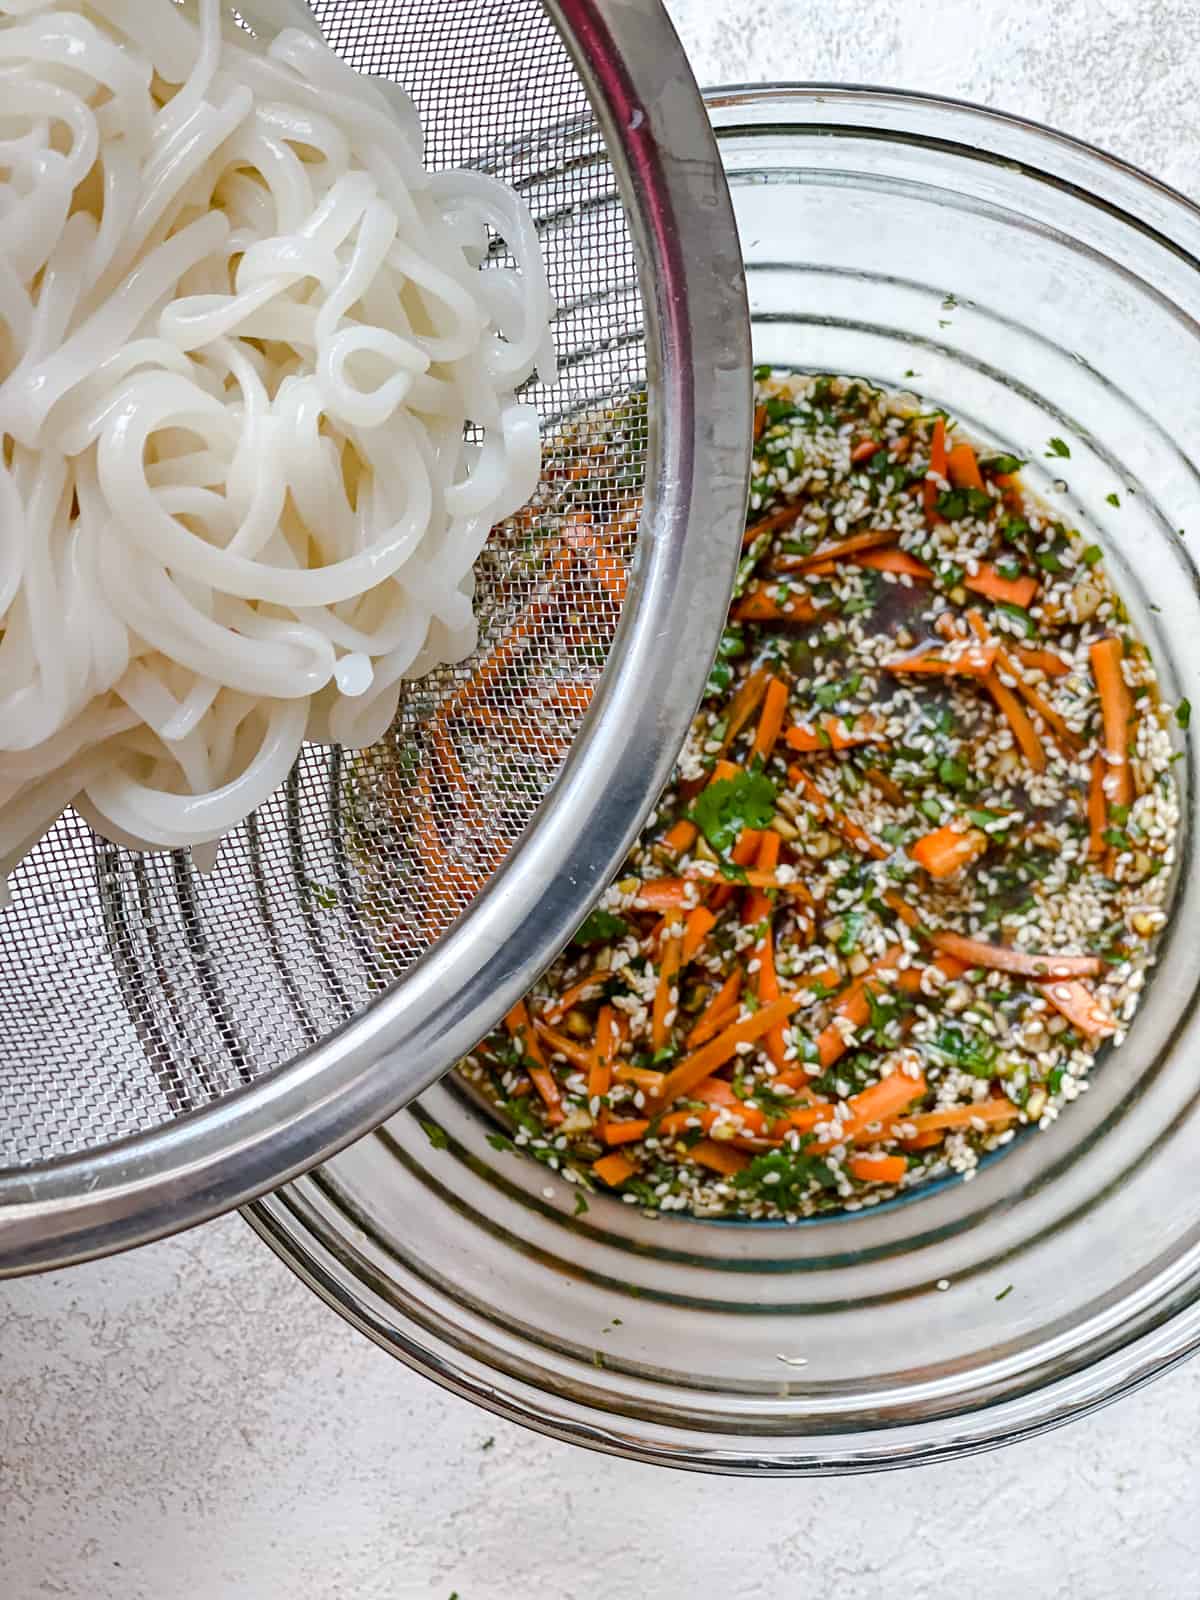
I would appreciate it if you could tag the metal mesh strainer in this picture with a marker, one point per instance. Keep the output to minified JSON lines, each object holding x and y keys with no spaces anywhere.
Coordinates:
{"x":173,"y":1043}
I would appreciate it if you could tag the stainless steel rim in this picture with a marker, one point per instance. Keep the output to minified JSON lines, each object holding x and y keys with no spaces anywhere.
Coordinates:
{"x":291,"y":1223}
{"x":670,"y":179}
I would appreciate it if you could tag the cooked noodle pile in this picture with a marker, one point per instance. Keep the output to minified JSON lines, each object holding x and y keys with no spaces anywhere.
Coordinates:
{"x":242,"y":334}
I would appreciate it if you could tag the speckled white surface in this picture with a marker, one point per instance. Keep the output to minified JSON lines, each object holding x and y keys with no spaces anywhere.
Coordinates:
{"x":190,"y":1424}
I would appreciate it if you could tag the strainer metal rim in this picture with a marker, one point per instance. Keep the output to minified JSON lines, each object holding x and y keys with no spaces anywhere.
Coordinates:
{"x":697,"y":330}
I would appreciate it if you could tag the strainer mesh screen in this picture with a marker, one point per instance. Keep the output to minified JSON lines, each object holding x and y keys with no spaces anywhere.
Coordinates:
{"x":135,"y":989}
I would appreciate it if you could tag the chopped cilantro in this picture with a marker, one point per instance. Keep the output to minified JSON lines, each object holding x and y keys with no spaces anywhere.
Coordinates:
{"x":435,"y":1135}
{"x":1092,"y":555}
{"x":733,"y":804}
{"x":581,"y":1205}
{"x":1003,"y":465}
{"x":1183,"y":713}
{"x":1114,"y":499}
{"x":1005,"y":1292}
{"x":953,"y":772}
{"x":1058,"y":447}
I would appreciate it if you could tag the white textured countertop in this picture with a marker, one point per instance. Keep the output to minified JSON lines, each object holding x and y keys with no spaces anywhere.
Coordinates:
{"x":189,"y":1423}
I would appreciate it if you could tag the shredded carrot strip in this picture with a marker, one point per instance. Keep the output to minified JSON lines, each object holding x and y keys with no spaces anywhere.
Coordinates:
{"x":836,"y":550}
{"x":625,"y":1132}
{"x":947,"y":850}
{"x":898,"y":561}
{"x":939,"y":465}
{"x":852,"y":1006}
{"x":1003,"y":958}
{"x":1012,"y":591}
{"x":681,"y":836}
{"x":1042,"y":661}
{"x":834,"y":734}
{"x":614,"y":1169}
{"x":523,"y":1034}
{"x":719,"y":1157}
{"x":723,"y":1003}
{"x":770,"y":722}
{"x":569,"y":998}
{"x":972,"y":662}
{"x":578,"y":1054}
{"x":1106,"y":657}
{"x":600,"y":1069}
{"x":835,"y":818}
{"x":704,"y":1062}
{"x":644,"y":1078}
{"x":943,"y":1121}
{"x":1097,"y":809}
{"x":1067,"y":737}
{"x":700,"y":923}
{"x":757,"y":905}
{"x":877,"y":1169}
{"x":865,"y":449}
{"x":963,"y":469}
{"x":1081,"y":1007}
{"x":759,"y":604}
{"x":1023,"y":730}
{"x":871,"y":1109}
{"x":664,"y":1004}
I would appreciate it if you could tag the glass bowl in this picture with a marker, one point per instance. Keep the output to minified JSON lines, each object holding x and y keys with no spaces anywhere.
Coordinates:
{"x":1036,"y":288}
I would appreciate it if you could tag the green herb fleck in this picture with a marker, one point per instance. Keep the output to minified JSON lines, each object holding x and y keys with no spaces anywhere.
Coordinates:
{"x":1114,"y":499}
{"x":435,"y":1135}
{"x":1005,"y":1292}
{"x":1183,"y":713}
{"x":581,"y":1205}
{"x":1092,"y":555}
{"x":731,"y":804}
{"x":1058,"y":447}
{"x":601,"y":927}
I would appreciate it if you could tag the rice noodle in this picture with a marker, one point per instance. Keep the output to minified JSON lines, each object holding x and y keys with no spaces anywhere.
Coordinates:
{"x":244,"y":337}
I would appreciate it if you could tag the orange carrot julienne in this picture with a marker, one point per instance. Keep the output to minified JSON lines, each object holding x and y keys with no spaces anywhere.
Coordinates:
{"x":768,"y":990}
{"x":1003,"y":958}
{"x":681,"y":836}
{"x":888,"y":788}
{"x":661,"y":894}
{"x":939,"y":467}
{"x":898,"y":561}
{"x":577,"y":1053}
{"x":742,"y":707}
{"x":770,"y":721}
{"x":668,"y":972}
{"x":776,"y":520}
{"x":704,"y":1062}
{"x":644,"y":1078}
{"x":835,"y":818}
{"x":700,"y":923}
{"x":757,"y":904}
{"x":744,"y":852}
{"x":761,"y":604}
{"x":834,"y":733}
{"x":1081,"y":1007}
{"x":947,"y":850}
{"x":874,"y":1107}
{"x":1012,"y":591}
{"x":600,"y":1069}
{"x":614,"y":1169}
{"x":719,"y":1157}
{"x":877,"y":1169}
{"x":725,"y":1001}
{"x":1018,"y":720}
{"x":1106,"y":657}
{"x":865,"y":449}
{"x":583,"y":990}
{"x":962,"y":468}
{"x":1042,"y":661}
{"x":1067,"y":738}
{"x":837,"y":550}
{"x":523,"y":1034}
{"x":628,"y":1132}
{"x":852,"y":1006}
{"x":1097,"y":808}
{"x":975,"y":661}
{"x":914,"y":1127}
